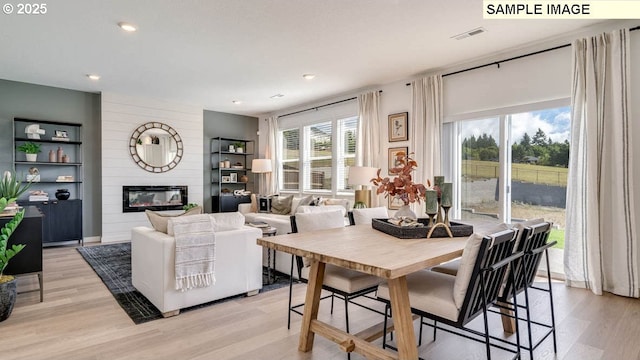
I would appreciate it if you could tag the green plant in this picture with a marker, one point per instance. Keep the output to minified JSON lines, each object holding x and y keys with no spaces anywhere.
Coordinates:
{"x":29,"y":148}
{"x":11,"y":187}
{"x":7,"y":253}
{"x":189,"y":206}
{"x":238,"y":145}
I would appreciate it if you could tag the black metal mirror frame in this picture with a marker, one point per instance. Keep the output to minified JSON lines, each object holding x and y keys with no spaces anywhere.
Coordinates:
{"x":138,"y":160}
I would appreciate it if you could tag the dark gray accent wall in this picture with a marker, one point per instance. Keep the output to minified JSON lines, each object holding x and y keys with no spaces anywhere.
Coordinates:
{"x":49,"y":103}
{"x":229,"y":126}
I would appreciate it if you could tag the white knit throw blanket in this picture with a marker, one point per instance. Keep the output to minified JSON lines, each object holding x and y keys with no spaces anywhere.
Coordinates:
{"x":195,"y":251}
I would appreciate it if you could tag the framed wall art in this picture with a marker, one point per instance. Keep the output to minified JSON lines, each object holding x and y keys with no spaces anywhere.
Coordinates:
{"x":398,"y":127}
{"x":392,"y":156}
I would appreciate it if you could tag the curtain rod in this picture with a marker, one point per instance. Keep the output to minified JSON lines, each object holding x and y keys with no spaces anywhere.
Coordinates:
{"x":321,"y":106}
{"x":497,"y":63}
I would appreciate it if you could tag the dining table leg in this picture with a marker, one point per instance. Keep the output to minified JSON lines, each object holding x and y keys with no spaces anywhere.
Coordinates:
{"x":402,"y":319}
{"x":311,"y":305}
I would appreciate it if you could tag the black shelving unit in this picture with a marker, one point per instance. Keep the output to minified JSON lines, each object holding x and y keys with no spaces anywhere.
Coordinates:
{"x":62,"y":220}
{"x":223,"y":180}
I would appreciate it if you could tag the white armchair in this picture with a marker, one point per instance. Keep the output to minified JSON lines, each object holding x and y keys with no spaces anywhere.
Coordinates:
{"x":238,"y":268}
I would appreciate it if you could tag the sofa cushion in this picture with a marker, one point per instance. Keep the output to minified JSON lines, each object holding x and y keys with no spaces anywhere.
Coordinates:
{"x":228,"y":221}
{"x":160,"y":221}
{"x":281,"y":205}
{"x":340,"y":202}
{"x":220,"y":221}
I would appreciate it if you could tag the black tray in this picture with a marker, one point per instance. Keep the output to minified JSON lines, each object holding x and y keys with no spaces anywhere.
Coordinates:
{"x":403,"y":232}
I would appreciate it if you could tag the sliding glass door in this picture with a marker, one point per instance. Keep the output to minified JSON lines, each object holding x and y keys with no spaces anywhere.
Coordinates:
{"x":511,"y":167}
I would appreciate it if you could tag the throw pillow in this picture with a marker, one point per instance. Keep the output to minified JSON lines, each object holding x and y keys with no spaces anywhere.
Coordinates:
{"x":281,"y":205}
{"x":342,"y":202}
{"x":227,"y":221}
{"x":160,"y":221}
{"x":297,"y":202}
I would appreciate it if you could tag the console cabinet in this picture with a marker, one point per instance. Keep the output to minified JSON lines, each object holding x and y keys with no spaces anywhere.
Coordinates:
{"x":29,"y":232}
{"x":62,"y":220}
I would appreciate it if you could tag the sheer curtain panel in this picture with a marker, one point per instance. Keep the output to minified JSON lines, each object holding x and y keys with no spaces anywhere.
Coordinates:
{"x":601,"y":245}
{"x":368,"y":141}
{"x":272,"y":153}
{"x":425,"y":130}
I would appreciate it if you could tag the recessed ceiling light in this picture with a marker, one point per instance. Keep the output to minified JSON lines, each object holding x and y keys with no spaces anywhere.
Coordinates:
{"x":237,"y":102}
{"x":308,"y":76}
{"x":277,"y":96}
{"x":127,"y":26}
{"x":93,"y":76}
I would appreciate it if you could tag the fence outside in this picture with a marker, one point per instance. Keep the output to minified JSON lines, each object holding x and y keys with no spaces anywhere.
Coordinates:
{"x":536,"y":174}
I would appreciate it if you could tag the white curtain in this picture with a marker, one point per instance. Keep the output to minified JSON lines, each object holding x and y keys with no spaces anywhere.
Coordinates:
{"x":272,"y":152}
{"x":425,"y":129}
{"x":368,"y":141}
{"x":601,"y":246}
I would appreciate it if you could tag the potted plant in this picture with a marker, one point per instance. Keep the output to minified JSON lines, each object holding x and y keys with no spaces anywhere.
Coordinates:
{"x":31,"y":149}
{"x":8,"y":290}
{"x":239,"y":147}
{"x":11,"y":187}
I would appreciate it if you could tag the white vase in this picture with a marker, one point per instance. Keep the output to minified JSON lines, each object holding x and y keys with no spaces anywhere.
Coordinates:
{"x":405,"y":211}
{"x":32,"y":157}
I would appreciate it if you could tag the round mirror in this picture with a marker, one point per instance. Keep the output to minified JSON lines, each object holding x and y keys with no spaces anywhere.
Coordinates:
{"x":156,"y":147}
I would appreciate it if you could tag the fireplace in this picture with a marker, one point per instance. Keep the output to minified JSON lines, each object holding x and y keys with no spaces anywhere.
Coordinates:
{"x":141,"y":198}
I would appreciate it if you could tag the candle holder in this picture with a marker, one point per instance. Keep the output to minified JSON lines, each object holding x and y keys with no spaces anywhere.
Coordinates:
{"x":431,"y":219}
{"x":439,"y":213}
{"x":446,"y":214}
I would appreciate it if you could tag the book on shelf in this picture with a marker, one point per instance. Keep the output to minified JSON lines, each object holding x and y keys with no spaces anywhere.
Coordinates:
{"x":259,"y":224}
{"x":38,"y":197}
{"x":57,"y":138}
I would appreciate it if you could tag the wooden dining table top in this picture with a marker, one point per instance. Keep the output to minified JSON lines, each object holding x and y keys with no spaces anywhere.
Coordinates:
{"x":368,"y":250}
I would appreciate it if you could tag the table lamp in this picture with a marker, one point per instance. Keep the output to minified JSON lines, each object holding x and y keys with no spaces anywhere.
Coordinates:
{"x":262,"y":167}
{"x":362,"y":175}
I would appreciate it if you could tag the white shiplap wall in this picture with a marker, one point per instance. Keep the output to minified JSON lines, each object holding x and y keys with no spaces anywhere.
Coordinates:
{"x":121,"y":115}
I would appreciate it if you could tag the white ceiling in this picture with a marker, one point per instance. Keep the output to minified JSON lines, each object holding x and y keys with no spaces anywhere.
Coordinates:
{"x":212,"y":52}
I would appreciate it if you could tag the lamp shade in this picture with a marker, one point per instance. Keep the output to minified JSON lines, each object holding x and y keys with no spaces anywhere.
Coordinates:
{"x":261,"y":166}
{"x":361,"y":175}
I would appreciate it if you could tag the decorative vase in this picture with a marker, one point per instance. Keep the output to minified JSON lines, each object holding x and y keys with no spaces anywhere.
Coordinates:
{"x":62,"y":194}
{"x":32,"y":157}
{"x":244,"y":178}
{"x":52,"y":156}
{"x":59,"y":154}
{"x":7,"y":298}
{"x":405,"y":211}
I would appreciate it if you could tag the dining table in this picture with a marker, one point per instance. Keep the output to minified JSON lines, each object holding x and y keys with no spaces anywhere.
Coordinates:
{"x":365,"y":249}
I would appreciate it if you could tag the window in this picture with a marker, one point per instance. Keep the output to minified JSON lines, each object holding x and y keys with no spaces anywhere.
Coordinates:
{"x":290,"y":159}
{"x":322,"y":152}
{"x":511,"y":167}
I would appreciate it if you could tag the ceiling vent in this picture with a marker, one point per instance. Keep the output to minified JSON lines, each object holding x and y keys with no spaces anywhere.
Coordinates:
{"x":469,"y":33}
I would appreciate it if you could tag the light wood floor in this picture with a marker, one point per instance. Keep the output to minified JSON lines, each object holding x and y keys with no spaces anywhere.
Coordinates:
{"x":79,"y":319}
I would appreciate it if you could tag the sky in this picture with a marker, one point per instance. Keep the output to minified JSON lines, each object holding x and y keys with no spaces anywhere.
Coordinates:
{"x":556,"y":123}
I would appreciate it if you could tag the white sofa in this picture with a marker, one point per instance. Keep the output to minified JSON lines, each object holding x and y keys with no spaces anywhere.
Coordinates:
{"x":238,"y":268}
{"x":282,"y":223}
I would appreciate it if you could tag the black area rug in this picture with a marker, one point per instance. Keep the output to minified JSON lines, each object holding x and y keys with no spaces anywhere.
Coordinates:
{"x":112,"y":263}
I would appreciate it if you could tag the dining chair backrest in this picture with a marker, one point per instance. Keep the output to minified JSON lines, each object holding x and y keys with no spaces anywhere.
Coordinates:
{"x":366,"y":215}
{"x":532,"y":238}
{"x":494,"y":254}
{"x":308,"y":222}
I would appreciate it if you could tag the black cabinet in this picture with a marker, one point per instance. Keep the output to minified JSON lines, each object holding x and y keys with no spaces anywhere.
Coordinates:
{"x":62,"y":220}
{"x":228,"y":203}
{"x":29,"y":233}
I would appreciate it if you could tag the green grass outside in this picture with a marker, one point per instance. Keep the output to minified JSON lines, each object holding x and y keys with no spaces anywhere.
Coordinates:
{"x":557,"y":235}
{"x":536,"y":174}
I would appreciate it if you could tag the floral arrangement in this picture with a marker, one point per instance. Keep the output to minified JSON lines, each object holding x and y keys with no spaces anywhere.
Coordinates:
{"x":402,"y":185}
